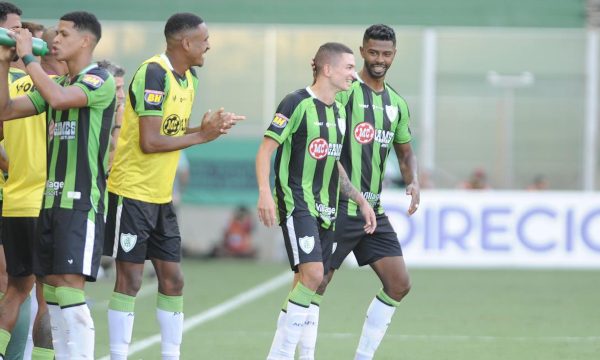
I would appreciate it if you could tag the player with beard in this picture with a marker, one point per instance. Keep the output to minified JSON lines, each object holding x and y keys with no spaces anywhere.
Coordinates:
{"x":377,"y":120}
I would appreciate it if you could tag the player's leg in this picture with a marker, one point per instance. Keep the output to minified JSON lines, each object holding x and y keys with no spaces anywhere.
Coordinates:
{"x":18,"y":234}
{"x":382,"y":252}
{"x":41,"y":331}
{"x":33,"y":308}
{"x":77,"y":237}
{"x":304,"y":250}
{"x":126,"y":236}
{"x":169,"y":307}
{"x":348,"y":234}
{"x":164,"y":249}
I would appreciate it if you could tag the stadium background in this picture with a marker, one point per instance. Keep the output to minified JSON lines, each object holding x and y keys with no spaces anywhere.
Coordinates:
{"x":448,"y":53}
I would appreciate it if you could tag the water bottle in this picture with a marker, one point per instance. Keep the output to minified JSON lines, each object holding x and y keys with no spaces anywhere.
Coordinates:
{"x":39,"y":46}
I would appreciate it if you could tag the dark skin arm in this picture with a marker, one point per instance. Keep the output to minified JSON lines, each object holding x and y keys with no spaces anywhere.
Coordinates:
{"x":408,"y":167}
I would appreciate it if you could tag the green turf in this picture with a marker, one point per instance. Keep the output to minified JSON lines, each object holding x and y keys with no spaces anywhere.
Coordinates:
{"x":449,"y":314}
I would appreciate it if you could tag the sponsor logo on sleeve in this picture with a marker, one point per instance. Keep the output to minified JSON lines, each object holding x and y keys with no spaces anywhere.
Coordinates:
{"x":307,"y":243}
{"x":279,"y":121}
{"x":92,"y":81}
{"x":153,"y":97}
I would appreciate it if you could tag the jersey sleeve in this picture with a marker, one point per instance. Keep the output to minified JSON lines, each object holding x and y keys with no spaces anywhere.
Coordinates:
{"x":148,"y":89}
{"x":99,"y":87}
{"x":283,"y":122}
{"x":36,"y":98}
{"x":402,"y":134}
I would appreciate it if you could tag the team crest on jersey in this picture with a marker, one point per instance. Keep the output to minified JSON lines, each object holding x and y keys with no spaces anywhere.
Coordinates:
{"x":318,"y":148}
{"x":92,"y":81}
{"x":153,"y":97}
{"x":392,"y":112}
{"x":279,"y":121}
{"x":364,"y":132}
{"x":127,"y":241}
{"x":342,"y":125}
{"x":307,"y":243}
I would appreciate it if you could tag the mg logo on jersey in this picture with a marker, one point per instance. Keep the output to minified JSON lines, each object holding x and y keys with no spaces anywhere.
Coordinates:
{"x":364,"y":133}
{"x":392,"y":112}
{"x":127,"y":241}
{"x":318,"y":148}
{"x":173,"y":125}
{"x":307,"y":243}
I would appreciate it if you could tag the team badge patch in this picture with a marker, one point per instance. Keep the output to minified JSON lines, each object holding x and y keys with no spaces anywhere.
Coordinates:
{"x":127,"y":241}
{"x":392,"y":112}
{"x":92,"y":81}
{"x":342,"y":125}
{"x":307,"y":243}
{"x":279,"y":121}
{"x":153,"y":97}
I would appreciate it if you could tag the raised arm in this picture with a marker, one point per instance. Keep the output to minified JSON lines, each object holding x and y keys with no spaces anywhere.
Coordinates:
{"x":58,"y":97}
{"x":351,"y":192}
{"x":11,"y":108}
{"x":266,"y":205}
{"x":408,"y":167}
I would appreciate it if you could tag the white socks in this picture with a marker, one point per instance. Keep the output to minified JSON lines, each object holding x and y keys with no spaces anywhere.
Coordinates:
{"x":308,"y":340}
{"x":379,"y":316}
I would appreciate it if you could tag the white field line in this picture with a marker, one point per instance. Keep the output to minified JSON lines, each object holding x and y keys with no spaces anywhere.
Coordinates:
{"x":219,"y":310}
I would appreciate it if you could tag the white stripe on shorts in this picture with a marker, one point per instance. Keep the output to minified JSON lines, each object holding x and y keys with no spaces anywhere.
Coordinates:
{"x":88,"y":250}
{"x":293,"y":241}
{"x":117,"y":230}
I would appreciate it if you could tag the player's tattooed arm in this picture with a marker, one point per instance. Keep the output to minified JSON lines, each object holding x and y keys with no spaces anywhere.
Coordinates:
{"x":351,"y":192}
{"x":346,"y":186}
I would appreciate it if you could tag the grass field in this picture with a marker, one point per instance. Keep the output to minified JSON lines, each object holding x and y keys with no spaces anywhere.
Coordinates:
{"x":449,"y":314}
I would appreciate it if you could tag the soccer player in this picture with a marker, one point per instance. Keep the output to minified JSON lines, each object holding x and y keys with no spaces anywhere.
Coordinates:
{"x":25,"y":143}
{"x":141,"y":222}
{"x":307,"y":132}
{"x":79,"y":108}
{"x":377,"y":119}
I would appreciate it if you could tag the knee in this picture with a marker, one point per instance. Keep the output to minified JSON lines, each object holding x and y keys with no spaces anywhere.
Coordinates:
{"x":399,"y":289}
{"x":171,"y":284}
{"x":312,"y":278}
{"x":128,"y":282}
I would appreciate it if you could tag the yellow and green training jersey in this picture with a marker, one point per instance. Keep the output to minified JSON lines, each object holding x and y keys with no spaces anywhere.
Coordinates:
{"x":156,"y":90}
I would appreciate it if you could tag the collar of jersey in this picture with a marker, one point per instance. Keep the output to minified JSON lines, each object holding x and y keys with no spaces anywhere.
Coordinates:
{"x":88,"y":68}
{"x":167,"y":61}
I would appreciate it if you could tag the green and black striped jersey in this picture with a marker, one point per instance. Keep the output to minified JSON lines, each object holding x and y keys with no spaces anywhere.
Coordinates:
{"x":375,"y":120}
{"x":78,"y":144}
{"x":310,"y":134}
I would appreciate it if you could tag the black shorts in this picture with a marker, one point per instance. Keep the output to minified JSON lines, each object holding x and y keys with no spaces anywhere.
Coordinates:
{"x":368,"y":248}
{"x":19,"y":234}
{"x":137,"y":230}
{"x":1,"y":205}
{"x":306,"y":241}
{"x":70,"y":243}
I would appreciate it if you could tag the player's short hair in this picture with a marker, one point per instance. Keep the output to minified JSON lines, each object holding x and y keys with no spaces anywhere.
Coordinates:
{"x":111,"y":67}
{"x":181,"y":22}
{"x":327,"y":53}
{"x":7,"y":8}
{"x":84,"y":21}
{"x":32,"y":27}
{"x":380,"y":32}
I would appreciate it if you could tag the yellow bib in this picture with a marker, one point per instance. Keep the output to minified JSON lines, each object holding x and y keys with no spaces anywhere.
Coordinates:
{"x":149,"y":177}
